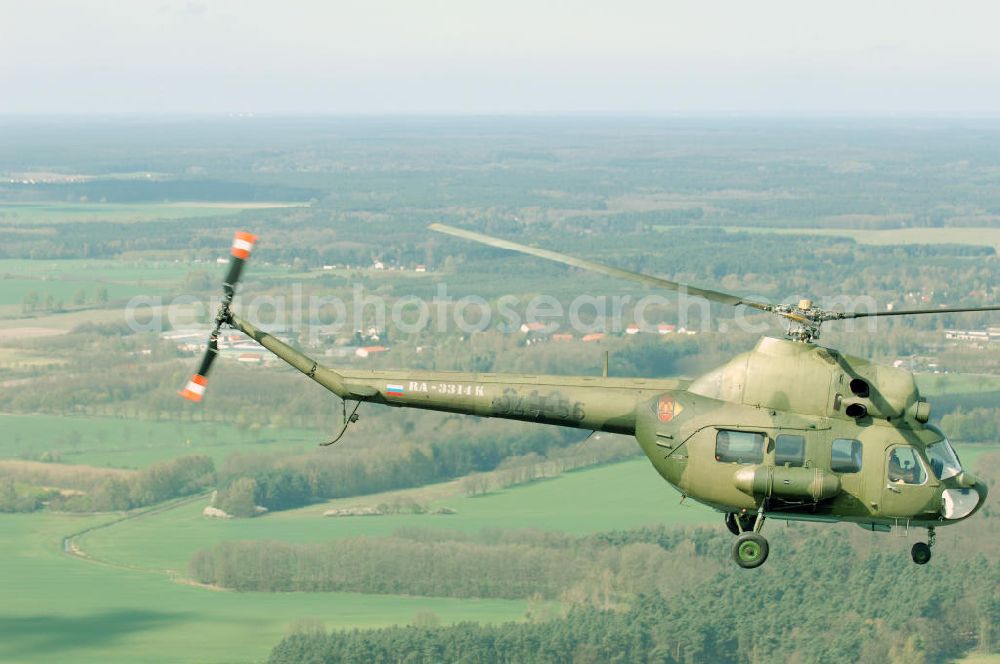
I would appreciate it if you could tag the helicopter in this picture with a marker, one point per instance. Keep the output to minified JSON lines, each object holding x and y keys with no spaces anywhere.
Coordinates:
{"x":790,"y":430}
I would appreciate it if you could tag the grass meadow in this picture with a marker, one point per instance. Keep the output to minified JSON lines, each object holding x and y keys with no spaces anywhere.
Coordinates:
{"x":25,"y":214}
{"x":14,"y":290}
{"x":56,"y":607}
{"x":622,"y":495}
{"x":628,"y":494}
{"x":932,"y":385}
{"x":120,"y":443}
{"x":128,"y":601}
{"x":64,"y":279}
{"x":984,"y":237}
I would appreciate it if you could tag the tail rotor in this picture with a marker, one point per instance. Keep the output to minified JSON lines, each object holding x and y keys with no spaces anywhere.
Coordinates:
{"x":243,"y":244}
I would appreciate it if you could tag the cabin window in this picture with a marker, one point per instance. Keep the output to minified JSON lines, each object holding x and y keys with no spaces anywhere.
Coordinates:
{"x":845,"y":455}
{"x":789,"y":450}
{"x":739,"y":446}
{"x":944,"y":461}
{"x":904,"y":466}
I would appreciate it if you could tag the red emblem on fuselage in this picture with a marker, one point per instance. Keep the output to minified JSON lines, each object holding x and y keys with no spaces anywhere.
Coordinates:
{"x":667,"y":409}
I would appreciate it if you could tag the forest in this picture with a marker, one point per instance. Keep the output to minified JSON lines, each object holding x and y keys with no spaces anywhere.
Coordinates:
{"x":94,"y":491}
{"x":831,"y":599}
{"x":658,"y":595}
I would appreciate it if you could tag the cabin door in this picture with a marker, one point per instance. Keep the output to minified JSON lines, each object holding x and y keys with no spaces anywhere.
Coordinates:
{"x":906,"y":481}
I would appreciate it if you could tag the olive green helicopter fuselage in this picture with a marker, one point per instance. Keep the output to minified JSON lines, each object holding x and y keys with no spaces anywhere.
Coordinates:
{"x":790,"y":430}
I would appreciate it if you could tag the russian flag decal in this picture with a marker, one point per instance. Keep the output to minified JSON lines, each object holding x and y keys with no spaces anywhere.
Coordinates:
{"x":394,"y":390}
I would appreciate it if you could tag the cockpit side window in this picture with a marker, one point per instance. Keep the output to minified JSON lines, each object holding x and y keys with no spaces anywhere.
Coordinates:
{"x":789,"y":450}
{"x":739,"y":446}
{"x":944,"y":461}
{"x":904,"y":466}
{"x":845,"y":455}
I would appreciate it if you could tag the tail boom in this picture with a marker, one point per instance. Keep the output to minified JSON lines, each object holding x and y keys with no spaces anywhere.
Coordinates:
{"x":584,"y":402}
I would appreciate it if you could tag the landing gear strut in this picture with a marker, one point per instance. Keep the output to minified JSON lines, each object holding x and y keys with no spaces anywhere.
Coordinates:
{"x":744,"y":519}
{"x":921,"y":551}
{"x":750,"y":548}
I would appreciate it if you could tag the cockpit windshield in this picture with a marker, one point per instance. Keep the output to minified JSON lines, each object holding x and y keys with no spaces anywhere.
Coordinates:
{"x":944,"y":461}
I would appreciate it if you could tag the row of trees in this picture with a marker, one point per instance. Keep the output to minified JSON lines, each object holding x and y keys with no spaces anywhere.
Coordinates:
{"x":162,"y":481}
{"x":530,"y":467}
{"x":279,"y":483}
{"x":396,"y":566}
{"x":33,"y":302}
{"x":976,"y":425}
{"x":601,"y":570}
{"x":15,"y":497}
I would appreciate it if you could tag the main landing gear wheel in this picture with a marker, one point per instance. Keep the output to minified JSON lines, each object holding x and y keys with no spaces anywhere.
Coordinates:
{"x":746,"y":523}
{"x":921,"y":551}
{"x":750,"y":550}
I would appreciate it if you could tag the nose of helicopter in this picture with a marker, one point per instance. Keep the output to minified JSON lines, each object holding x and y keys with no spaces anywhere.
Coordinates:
{"x":959,"y":503}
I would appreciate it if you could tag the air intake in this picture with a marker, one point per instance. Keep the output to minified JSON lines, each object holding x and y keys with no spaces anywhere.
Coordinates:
{"x":856,"y":410}
{"x":860,"y":388}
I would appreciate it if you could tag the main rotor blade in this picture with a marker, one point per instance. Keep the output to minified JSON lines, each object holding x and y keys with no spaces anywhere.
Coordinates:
{"x":914,"y":312}
{"x":656,"y":282}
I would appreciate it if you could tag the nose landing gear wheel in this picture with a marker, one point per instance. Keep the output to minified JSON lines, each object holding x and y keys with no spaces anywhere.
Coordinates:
{"x":750,"y":550}
{"x":921,"y":553}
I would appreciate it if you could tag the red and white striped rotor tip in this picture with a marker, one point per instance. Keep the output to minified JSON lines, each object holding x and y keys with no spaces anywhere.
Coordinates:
{"x":195,"y":388}
{"x":243,"y":244}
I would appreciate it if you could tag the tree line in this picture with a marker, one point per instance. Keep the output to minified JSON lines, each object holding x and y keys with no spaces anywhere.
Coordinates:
{"x":591,"y":570}
{"x":162,"y":481}
{"x":976,"y":425}
{"x":824,"y":600}
{"x":293,"y":481}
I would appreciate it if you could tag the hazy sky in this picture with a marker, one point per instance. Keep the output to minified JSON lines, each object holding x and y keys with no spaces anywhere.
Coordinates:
{"x":398,"y":56}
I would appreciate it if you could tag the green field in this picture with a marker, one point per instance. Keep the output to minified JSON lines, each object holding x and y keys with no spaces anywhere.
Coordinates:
{"x":125,"y":604}
{"x":956,"y":383}
{"x":117,"y":443}
{"x":63,"y":279}
{"x":123,"y":279}
{"x":984,"y":237}
{"x":622,"y":495}
{"x":63,"y":290}
{"x":56,"y":607}
{"x":151,"y":271}
{"x":112,"y":270}
{"x":55,"y":213}
{"x":970,"y":453}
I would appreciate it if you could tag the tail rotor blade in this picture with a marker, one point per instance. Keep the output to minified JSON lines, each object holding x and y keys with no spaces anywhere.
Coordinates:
{"x":210,"y":353}
{"x":242,"y":246}
{"x":195,"y":388}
